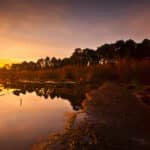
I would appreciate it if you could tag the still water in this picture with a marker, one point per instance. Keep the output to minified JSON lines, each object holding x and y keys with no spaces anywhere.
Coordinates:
{"x":26,"y":118}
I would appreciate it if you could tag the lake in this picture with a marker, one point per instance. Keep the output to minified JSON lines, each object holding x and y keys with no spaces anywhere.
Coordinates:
{"x":30,"y":113}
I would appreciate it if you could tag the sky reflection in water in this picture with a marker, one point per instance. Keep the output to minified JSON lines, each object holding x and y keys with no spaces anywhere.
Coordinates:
{"x":25,"y":119}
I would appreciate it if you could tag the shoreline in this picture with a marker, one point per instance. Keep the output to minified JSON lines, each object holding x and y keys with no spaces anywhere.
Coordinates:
{"x":114,"y":118}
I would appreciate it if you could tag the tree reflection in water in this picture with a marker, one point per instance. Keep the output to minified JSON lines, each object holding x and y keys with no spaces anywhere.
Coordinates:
{"x":74,"y":93}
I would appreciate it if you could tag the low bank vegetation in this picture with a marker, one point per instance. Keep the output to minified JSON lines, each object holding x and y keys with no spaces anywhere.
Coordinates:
{"x":129,"y":71}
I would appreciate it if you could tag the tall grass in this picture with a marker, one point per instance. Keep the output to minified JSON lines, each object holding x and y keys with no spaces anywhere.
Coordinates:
{"x":123,"y":71}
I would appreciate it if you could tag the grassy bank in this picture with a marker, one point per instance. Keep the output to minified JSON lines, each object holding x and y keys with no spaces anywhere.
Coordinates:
{"x":114,"y":119}
{"x":128,"y":71}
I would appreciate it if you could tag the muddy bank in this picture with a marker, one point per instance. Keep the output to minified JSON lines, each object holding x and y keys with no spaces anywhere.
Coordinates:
{"x":113,"y":118}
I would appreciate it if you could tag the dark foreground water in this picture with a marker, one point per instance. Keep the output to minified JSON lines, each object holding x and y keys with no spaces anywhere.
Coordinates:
{"x":26,"y":116}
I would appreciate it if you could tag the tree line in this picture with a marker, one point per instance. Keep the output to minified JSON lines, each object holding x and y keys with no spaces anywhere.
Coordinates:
{"x":84,"y":57}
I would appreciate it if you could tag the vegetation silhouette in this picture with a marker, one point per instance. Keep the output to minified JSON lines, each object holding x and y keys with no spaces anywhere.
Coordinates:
{"x":75,"y":94}
{"x":106,"y":52}
{"x":122,"y":60}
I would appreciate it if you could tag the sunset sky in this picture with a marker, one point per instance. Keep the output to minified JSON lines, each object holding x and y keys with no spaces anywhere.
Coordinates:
{"x":30,"y":29}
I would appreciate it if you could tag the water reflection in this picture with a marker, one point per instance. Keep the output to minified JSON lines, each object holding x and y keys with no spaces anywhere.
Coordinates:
{"x":26,"y":118}
{"x":74,"y":93}
{"x":20,"y":102}
{"x":29,"y":112}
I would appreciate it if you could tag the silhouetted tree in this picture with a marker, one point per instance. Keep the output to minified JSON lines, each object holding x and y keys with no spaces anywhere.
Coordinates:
{"x":83,"y":57}
{"x":47,"y":63}
{"x":90,"y":56}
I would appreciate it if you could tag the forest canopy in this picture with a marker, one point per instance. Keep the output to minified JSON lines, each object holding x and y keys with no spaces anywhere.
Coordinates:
{"x":84,"y":57}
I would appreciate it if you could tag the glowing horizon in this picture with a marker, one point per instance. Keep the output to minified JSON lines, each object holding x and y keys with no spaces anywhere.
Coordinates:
{"x":10,"y":61}
{"x":33,"y":29}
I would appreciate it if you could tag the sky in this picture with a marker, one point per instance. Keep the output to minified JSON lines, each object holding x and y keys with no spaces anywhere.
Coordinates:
{"x":31,"y":29}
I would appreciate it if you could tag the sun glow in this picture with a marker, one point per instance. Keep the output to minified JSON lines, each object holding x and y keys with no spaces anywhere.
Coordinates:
{"x":8,"y":61}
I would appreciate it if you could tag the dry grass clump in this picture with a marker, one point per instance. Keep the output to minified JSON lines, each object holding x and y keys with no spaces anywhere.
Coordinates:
{"x":128,"y":71}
